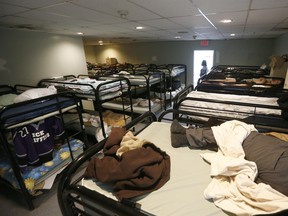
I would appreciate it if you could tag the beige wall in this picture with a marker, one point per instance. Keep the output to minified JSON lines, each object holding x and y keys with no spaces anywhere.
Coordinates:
{"x":281,"y":45}
{"x":233,"y":52}
{"x":26,"y":57}
{"x":90,"y":54}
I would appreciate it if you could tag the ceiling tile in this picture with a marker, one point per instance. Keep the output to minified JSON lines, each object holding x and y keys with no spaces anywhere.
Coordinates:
{"x":171,"y":8}
{"x":8,"y":9}
{"x":262,"y":4}
{"x":267,"y":16}
{"x":32,"y":3}
{"x":221,"y":6}
{"x":162,"y":19}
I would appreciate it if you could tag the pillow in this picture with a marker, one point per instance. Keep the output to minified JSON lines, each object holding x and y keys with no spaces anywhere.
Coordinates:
{"x":7,"y":99}
{"x":35,"y":93}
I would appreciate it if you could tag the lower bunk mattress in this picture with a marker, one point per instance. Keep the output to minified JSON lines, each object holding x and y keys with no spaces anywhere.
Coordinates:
{"x":224,"y":186}
{"x":183,"y":194}
{"x":42,"y":177}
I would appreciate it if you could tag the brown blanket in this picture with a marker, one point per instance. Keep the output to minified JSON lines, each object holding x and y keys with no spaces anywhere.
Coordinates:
{"x":136,"y":172}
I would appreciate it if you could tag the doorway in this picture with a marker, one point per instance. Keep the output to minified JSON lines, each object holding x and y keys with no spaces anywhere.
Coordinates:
{"x":199,"y":56}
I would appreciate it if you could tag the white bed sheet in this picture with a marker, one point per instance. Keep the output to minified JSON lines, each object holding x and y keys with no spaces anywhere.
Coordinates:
{"x":167,"y":93}
{"x":174,"y":71}
{"x":156,"y":107}
{"x":177,"y":70}
{"x":183,"y":193}
{"x":229,"y":110}
{"x":140,"y":80}
{"x":106,"y":91}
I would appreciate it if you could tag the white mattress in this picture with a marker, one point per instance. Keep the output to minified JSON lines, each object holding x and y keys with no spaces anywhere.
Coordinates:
{"x":175,"y":71}
{"x":183,"y":193}
{"x":156,"y":107}
{"x":86,"y":87}
{"x":234,"y":111}
{"x":140,"y":80}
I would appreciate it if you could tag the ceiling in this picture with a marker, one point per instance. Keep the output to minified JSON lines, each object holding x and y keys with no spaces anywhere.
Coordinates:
{"x":114,"y":21}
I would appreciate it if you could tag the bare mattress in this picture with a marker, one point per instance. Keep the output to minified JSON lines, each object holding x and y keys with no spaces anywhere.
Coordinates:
{"x":183,"y":194}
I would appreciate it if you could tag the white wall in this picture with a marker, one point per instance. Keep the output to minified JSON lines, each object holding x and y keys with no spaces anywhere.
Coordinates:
{"x":281,"y":45}
{"x":233,"y":52}
{"x":27,"y":57}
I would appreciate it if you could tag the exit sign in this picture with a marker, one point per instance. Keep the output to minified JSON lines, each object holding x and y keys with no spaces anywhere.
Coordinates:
{"x":204,"y":43}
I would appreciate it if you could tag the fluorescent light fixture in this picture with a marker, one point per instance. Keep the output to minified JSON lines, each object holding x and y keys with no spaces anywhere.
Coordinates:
{"x":206,"y":17}
{"x":139,"y":27}
{"x":226,"y":21}
{"x":232,"y":35}
{"x":80,"y":33}
{"x":203,"y":14}
{"x":177,"y":37}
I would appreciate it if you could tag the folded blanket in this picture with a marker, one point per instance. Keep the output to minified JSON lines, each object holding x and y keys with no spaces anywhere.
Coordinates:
{"x":136,"y":172}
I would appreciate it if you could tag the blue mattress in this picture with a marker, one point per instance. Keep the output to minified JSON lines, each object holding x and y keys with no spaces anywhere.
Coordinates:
{"x":35,"y":175}
{"x":28,"y":110}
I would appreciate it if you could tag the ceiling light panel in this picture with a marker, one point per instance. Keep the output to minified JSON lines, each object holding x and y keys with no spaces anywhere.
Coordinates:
{"x":226,"y":21}
{"x":239,"y":18}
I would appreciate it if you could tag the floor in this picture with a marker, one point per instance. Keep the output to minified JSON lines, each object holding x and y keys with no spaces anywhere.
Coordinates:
{"x":46,"y":204}
{"x":12,"y":203}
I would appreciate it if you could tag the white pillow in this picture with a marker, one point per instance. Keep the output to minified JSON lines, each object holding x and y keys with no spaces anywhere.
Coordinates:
{"x":35,"y":93}
{"x":7,"y":99}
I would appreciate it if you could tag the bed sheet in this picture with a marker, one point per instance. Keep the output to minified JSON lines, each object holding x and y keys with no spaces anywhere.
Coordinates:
{"x":169,"y":95}
{"x":140,"y":80}
{"x":85,"y":87}
{"x":183,"y":193}
{"x":174,"y":71}
{"x":177,"y":70}
{"x":107,"y":87}
{"x":7,"y":99}
{"x":229,"y":110}
{"x":35,"y":109}
{"x":35,"y":177}
{"x":115,"y":105}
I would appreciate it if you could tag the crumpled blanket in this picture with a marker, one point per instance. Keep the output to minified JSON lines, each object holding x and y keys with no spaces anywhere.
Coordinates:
{"x":136,"y":172}
{"x":232,"y":187}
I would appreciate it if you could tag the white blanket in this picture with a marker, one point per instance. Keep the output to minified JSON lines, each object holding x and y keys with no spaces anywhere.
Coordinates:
{"x":230,"y":110}
{"x":232,"y":187}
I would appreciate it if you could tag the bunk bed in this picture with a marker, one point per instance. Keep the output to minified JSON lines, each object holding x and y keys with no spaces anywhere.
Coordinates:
{"x":99,"y":90}
{"x":153,"y":87}
{"x":175,"y":80}
{"x":184,"y":192}
{"x":141,"y":81}
{"x":242,"y":80}
{"x":264,"y":110}
{"x":30,"y":108}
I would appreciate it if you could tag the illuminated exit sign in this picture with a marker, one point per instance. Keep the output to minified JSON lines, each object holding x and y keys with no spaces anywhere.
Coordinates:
{"x":204,"y":43}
